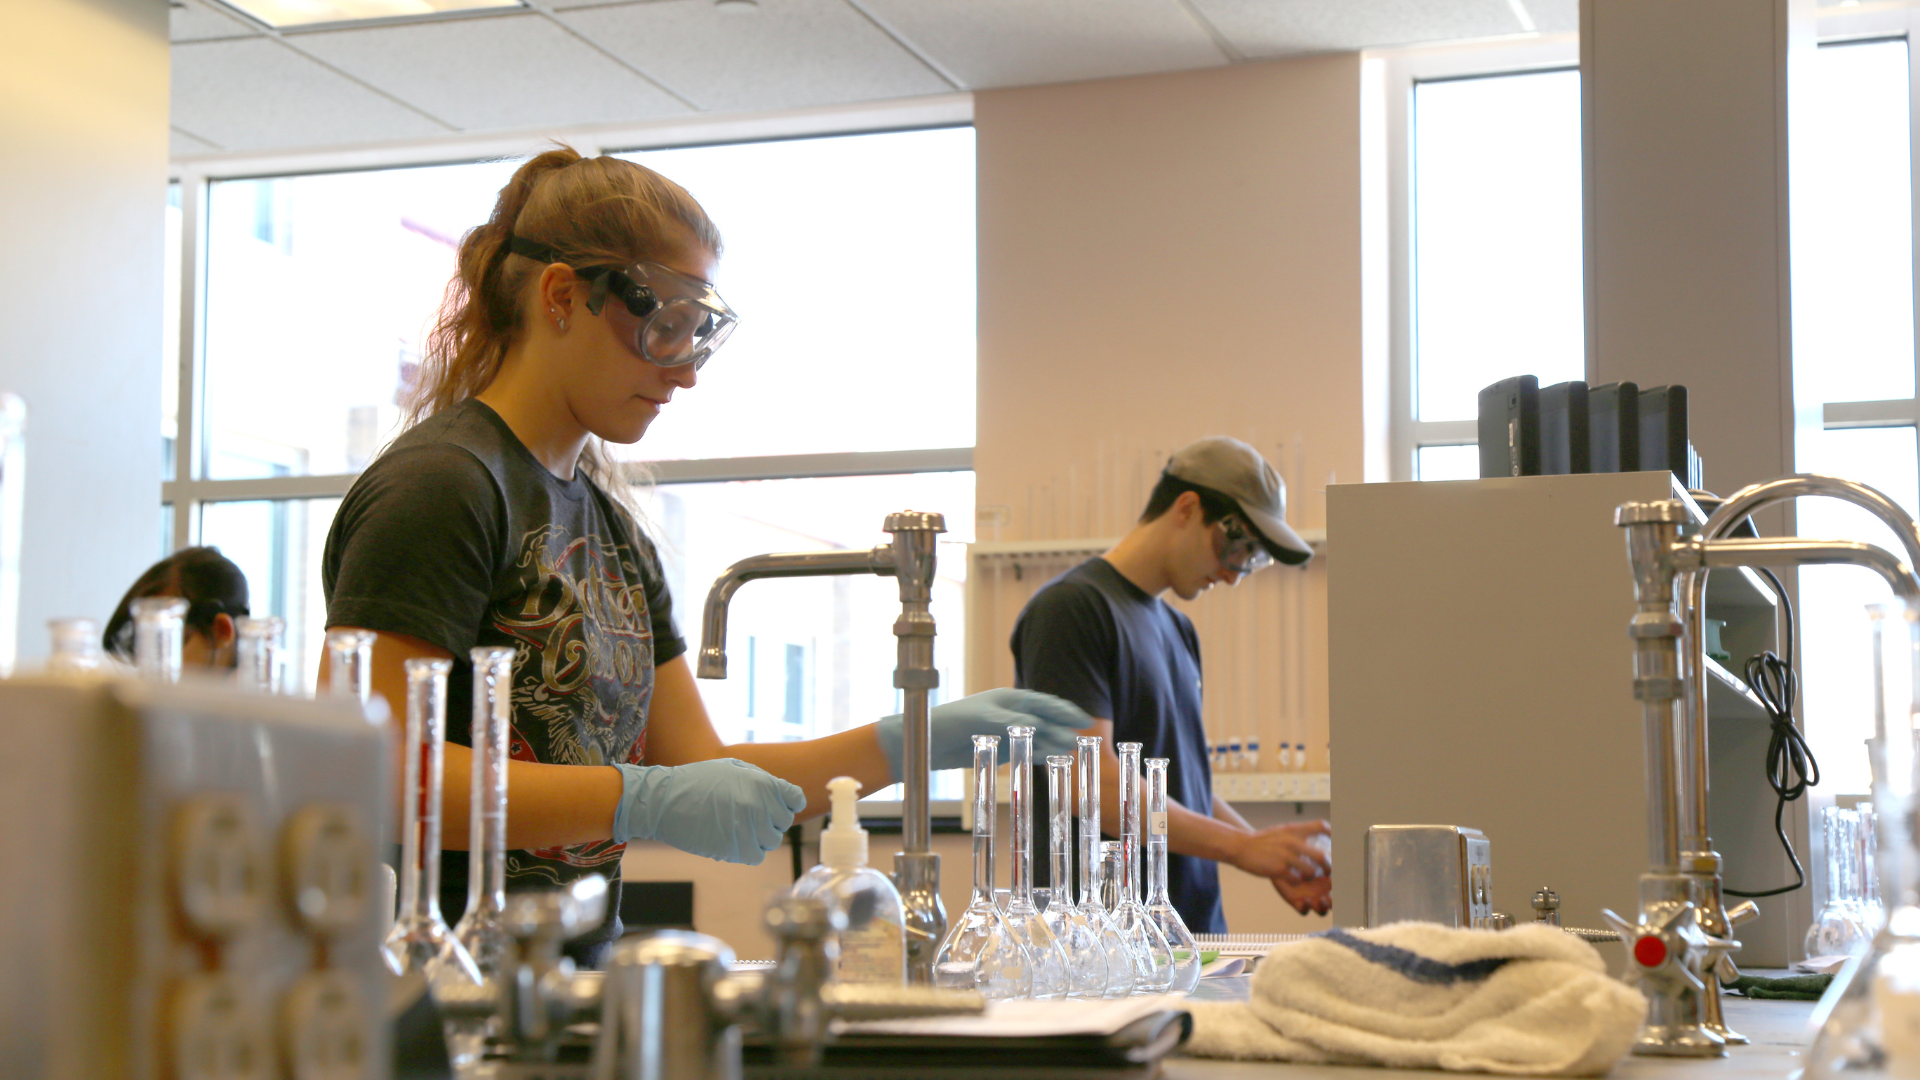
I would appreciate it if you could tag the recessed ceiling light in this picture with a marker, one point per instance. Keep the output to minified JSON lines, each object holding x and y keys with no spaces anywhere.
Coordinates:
{"x":290,"y":13}
{"x":737,"y":7}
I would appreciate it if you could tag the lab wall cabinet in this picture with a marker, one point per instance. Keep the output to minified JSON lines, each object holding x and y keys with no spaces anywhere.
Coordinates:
{"x":1480,"y":674}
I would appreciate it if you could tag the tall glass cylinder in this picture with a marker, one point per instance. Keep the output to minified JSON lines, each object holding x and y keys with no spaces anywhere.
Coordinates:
{"x":76,"y":646}
{"x":980,"y":952}
{"x":1866,"y":1023}
{"x":159,"y":624}
{"x":1113,"y":945}
{"x":420,"y":938}
{"x":350,"y":664}
{"x":1186,"y":951}
{"x":1028,"y":926}
{"x":1152,"y":955}
{"x":1079,"y":940}
{"x":257,"y":653}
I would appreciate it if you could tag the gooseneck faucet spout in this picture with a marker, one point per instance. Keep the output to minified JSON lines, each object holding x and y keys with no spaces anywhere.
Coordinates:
{"x":713,"y":624}
{"x":910,"y":559}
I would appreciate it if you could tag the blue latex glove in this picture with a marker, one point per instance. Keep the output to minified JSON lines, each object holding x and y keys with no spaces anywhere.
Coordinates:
{"x":1054,"y":722}
{"x":723,"y":809}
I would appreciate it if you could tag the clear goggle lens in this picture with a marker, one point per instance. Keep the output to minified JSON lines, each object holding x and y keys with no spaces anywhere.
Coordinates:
{"x":1238,"y":547}
{"x":680,"y":329}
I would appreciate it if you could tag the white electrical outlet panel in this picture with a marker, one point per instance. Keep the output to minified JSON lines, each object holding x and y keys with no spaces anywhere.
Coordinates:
{"x":199,"y":904}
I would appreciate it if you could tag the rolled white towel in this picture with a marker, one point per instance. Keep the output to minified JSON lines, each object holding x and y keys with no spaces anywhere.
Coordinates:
{"x":1532,"y":1000}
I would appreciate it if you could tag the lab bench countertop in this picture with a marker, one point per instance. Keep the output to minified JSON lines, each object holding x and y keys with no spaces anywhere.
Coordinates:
{"x":1778,"y":1030}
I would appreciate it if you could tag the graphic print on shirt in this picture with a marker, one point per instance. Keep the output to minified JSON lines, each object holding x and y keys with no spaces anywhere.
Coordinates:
{"x":583,"y":671}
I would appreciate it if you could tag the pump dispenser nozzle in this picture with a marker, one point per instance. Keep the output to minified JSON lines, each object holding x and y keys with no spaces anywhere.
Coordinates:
{"x":843,"y":844}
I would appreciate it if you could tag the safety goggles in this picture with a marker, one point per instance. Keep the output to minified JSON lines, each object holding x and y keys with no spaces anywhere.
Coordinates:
{"x":665,"y":317}
{"x":1238,"y":547}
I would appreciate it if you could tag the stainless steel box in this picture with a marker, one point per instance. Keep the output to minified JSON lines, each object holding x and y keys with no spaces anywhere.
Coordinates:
{"x":1429,"y":873}
{"x":189,"y":882}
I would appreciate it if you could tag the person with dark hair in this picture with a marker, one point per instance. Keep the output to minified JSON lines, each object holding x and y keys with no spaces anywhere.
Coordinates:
{"x":216,"y":594}
{"x":1100,"y":636}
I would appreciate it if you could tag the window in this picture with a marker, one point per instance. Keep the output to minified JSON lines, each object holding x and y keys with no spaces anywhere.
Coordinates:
{"x":1853,"y":312}
{"x":308,"y":297}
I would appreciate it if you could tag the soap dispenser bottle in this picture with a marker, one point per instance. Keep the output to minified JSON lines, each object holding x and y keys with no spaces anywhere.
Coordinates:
{"x":876,"y":952}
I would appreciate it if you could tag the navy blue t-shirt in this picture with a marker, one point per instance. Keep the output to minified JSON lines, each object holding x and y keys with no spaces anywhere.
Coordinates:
{"x":1094,"y":638}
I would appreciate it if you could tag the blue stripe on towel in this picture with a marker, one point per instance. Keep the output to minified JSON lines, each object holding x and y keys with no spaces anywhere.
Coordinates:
{"x":1413,"y":965}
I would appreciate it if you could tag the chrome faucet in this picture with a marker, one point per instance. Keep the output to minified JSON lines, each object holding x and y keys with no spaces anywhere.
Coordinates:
{"x":1681,"y":943}
{"x":910,"y":560}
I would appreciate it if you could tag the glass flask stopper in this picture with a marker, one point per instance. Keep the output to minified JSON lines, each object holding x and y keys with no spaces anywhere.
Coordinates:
{"x":158,"y":627}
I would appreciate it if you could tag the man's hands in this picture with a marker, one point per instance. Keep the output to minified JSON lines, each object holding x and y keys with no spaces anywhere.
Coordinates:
{"x":1313,"y":897}
{"x":1297,"y":858}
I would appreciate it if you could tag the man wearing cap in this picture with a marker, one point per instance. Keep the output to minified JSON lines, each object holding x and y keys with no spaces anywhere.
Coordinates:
{"x":1100,"y":636}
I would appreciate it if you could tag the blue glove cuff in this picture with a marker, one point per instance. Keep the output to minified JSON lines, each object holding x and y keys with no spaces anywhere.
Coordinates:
{"x":625,"y":828}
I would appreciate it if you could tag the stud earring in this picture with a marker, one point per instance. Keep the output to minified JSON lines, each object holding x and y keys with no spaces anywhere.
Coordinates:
{"x":563,"y":325}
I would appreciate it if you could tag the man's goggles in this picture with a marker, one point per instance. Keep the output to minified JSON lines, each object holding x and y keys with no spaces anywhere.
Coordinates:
{"x":665,"y":317}
{"x":1238,"y":547}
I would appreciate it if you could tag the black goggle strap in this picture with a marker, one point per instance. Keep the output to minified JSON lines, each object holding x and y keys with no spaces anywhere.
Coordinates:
{"x":598,"y":277}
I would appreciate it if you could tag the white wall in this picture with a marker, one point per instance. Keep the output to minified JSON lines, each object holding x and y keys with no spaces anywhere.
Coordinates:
{"x":83,"y":123}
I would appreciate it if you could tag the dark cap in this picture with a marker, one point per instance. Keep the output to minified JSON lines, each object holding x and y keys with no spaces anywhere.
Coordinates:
{"x":1237,"y":471}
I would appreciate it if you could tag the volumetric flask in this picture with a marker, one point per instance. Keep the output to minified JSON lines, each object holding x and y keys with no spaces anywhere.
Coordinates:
{"x":1079,"y":940}
{"x":1186,"y":952}
{"x":1028,"y":926}
{"x":1120,"y":966}
{"x":420,"y":938}
{"x":482,"y":929}
{"x":1152,"y":956}
{"x":980,"y":953}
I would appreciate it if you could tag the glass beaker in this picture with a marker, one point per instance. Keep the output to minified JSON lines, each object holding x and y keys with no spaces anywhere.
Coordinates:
{"x":420,"y":938}
{"x":159,"y":622}
{"x":1086,"y":765}
{"x":481,"y":930}
{"x":76,"y":646}
{"x":980,"y":953}
{"x":1024,"y":920}
{"x":1152,"y":956}
{"x":1186,"y":951}
{"x":350,"y":665}
{"x":1837,"y":929}
{"x":257,"y":653}
{"x":1079,"y":940}
{"x":1865,"y":1024}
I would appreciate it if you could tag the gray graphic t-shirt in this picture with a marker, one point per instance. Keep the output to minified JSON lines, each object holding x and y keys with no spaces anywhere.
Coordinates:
{"x":456,"y":535}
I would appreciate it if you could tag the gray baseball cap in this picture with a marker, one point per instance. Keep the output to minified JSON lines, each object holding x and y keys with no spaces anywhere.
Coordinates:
{"x":1237,"y":471}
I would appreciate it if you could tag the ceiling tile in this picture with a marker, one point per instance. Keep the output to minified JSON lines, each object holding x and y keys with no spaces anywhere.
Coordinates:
{"x":193,"y":20}
{"x":987,"y":43}
{"x":780,"y":54}
{"x":257,"y":94}
{"x":1279,"y":27}
{"x":493,"y":73}
{"x":180,"y":144}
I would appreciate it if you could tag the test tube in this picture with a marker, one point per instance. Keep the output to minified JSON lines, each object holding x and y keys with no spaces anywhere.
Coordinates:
{"x":1059,"y":812}
{"x":350,"y":653}
{"x":158,"y":625}
{"x":257,"y":652}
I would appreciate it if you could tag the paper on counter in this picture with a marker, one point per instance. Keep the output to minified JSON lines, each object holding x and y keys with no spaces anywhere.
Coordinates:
{"x":1819,"y":965}
{"x":1028,"y":1019}
{"x":1225,"y":967}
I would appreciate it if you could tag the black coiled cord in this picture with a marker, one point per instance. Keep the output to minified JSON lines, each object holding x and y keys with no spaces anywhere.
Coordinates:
{"x":1791,"y":768}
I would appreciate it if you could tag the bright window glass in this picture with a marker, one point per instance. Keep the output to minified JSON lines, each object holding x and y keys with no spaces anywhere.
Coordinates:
{"x":277,"y":544}
{"x":170,"y":338}
{"x":1447,"y":463}
{"x":851,"y":263}
{"x":810,"y":656}
{"x":1853,"y":231}
{"x":1497,"y":275}
{"x":320,"y":293}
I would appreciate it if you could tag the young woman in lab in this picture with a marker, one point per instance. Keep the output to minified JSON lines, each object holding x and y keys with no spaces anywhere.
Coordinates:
{"x":580,"y":308}
{"x":216,"y":594}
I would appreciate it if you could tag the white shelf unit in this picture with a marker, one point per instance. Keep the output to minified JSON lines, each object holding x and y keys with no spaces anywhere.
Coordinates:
{"x":1260,"y":644}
